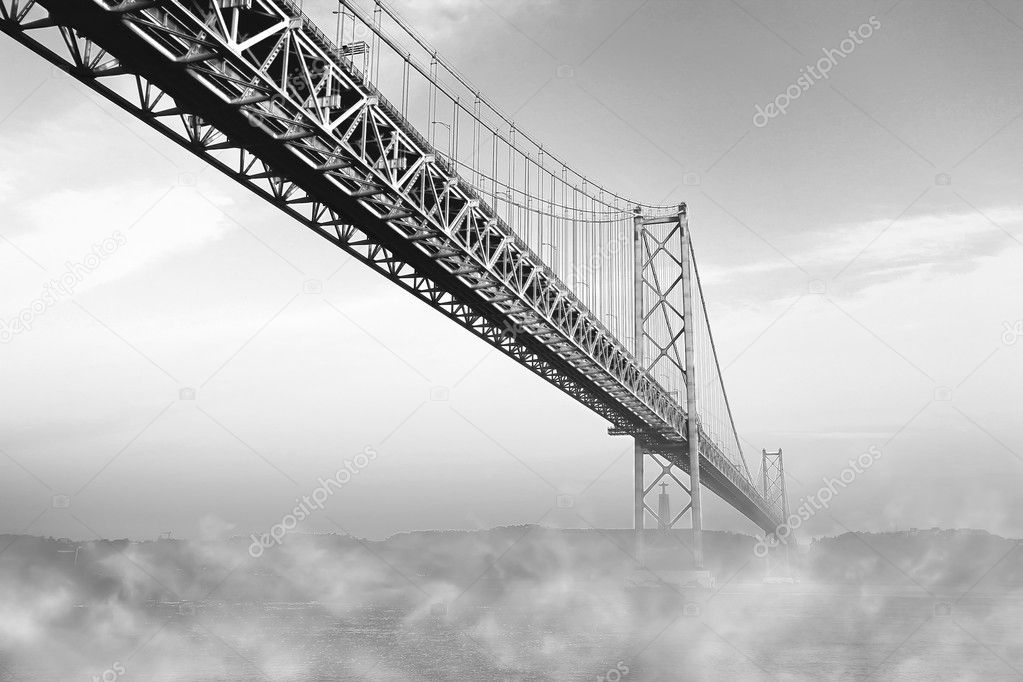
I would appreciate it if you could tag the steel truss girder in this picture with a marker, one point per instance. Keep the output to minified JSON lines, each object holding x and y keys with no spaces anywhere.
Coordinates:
{"x":464,"y":236}
{"x":371,"y":134}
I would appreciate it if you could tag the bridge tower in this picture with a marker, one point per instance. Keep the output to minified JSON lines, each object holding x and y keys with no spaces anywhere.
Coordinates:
{"x":773,"y":472}
{"x":664,"y":309}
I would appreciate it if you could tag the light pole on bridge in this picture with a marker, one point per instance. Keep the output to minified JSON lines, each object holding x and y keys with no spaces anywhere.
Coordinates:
{"x":448,"y":126}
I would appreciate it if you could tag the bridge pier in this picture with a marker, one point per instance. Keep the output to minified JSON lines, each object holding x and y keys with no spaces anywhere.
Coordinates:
{"x":668,"y":472}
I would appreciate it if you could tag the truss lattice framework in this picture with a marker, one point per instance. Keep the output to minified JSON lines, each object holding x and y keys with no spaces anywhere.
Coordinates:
{"x":774,"y":482}
{"x":285,"y":82}
{"x":663,"y":320}
{"x":667,"y":471}
{"x":261,"y":94}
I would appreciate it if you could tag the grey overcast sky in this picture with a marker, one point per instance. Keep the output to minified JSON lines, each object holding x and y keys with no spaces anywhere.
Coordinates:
{"x":862,"y":256}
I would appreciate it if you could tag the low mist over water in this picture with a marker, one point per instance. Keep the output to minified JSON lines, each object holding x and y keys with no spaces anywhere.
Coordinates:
{"x":517,"y":603}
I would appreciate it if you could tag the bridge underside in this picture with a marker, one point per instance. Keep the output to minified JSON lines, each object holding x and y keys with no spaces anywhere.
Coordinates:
{"x":714,"y":480}
{"x":215,"y":78}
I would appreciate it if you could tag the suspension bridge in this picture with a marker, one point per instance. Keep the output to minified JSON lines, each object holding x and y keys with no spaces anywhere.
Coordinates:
{"x":438,"y":191}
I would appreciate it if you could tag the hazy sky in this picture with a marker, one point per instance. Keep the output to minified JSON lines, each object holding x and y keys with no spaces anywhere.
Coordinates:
{"x":862,"y":256}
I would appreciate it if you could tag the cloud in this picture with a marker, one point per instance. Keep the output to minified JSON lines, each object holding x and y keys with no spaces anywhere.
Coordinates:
{"x":158,"y":222}
{"x":141,"y":225}
{"x":936,"y":242}
{"x":59,"y":204}
{"x":441,"y":18}
{"x":856,"y":256}
{"x":6,"y":186}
